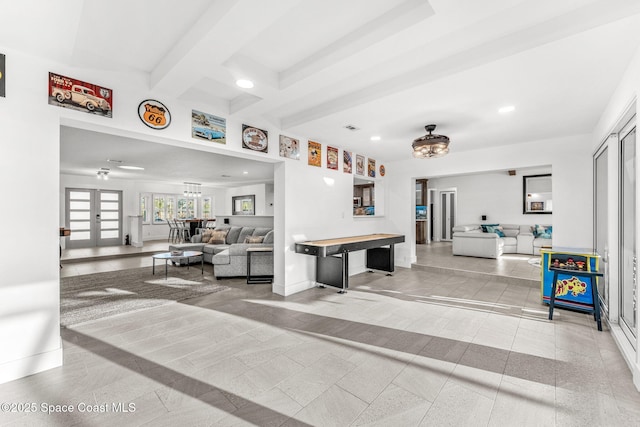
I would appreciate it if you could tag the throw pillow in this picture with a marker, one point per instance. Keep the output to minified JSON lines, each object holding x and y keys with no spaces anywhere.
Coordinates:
{"x":206,"y":235}
{"x":218,"y":237}
{"x":484,"y":227}
{"x":495,"y":229}
{"x":542,"y":231}
{"x":253,"y":239}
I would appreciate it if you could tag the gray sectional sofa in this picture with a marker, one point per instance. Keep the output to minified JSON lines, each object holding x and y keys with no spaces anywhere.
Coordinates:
{"x":470,"y":240}
{"x":229,"y":259}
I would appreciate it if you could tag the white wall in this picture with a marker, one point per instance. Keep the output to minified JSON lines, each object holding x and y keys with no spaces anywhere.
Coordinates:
{"x":495,"y":194}
{"x":317,"y":203}
{"x":258,"y":190}
{"x":570,"y":160}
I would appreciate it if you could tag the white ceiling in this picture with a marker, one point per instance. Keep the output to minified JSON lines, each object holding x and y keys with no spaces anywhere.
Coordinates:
{"x":388,"y":67}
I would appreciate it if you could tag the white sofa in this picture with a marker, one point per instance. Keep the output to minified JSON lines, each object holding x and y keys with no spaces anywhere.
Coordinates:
{"x":470,"y":240}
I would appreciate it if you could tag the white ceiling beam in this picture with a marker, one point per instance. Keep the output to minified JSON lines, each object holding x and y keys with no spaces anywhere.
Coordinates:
{"x":400,"y":17}
{"x":213,"y":40}
{"x":579,"y":20}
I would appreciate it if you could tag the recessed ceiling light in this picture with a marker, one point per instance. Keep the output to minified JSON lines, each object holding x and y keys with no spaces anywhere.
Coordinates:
{"x":244,"y":83}
{"x":245,"y":172}
{"x":133,"y":168}
{"x":506,"y":109}
{"x":376,"y":138}
{"x":114,"y":161}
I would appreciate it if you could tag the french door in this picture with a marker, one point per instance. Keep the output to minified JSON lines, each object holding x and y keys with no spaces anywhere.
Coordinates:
{"x":628,"y":259}
{"x":94,"y":217}
{"x":447,"y":214}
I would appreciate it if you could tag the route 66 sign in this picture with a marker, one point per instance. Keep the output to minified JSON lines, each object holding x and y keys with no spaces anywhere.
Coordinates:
{"x":154,"y":114}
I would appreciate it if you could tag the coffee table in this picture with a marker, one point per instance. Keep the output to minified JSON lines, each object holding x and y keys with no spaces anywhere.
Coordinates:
{"x":170,"y":256}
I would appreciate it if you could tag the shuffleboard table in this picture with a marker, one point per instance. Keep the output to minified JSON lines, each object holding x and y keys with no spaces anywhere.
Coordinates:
{"x":332,"y":256}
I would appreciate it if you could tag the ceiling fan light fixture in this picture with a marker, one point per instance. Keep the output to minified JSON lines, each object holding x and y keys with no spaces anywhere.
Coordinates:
{"x":430,"y":145}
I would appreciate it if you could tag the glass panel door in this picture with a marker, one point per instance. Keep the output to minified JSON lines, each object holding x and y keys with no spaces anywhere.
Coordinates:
{"x":109,"y":218}
{"x":601,"y":207}
{"x":94,"y":217}
{"x":628,"y":292}
{"x":80,"y":218}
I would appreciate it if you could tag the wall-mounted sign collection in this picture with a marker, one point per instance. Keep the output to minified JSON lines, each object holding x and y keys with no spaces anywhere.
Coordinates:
{"x":90,"y":98}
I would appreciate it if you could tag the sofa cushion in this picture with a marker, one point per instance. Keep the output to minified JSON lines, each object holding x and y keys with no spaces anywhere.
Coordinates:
{"x":253,"y":239}
{"x":218,"y":237}
{"x":261,"y":231}
{"x":246,"y":231}
{"x":232,"y":235}
{"x":268,"y":238}
{"x":214,"y":249}
{"x":465,"y":228}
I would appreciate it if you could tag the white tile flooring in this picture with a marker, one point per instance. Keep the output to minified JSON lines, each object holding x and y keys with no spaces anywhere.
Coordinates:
{"x":424,"y":347}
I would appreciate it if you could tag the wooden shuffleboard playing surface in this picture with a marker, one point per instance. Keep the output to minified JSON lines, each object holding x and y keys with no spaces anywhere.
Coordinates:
{"x":352,"y":239}
{"x":332,"y":266}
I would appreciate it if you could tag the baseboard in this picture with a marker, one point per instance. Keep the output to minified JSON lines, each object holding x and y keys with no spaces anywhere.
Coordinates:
{"x":292,"y":289}
{"x":30,"y":365}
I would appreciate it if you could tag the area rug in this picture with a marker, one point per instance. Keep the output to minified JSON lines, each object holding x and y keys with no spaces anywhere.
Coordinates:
{"x":96,"y":296}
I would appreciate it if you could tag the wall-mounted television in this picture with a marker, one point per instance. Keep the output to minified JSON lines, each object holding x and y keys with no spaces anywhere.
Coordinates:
{"x":421,"y":212}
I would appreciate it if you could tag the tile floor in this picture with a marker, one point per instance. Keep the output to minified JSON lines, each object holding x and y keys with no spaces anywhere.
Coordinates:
{"x":424,"y":347}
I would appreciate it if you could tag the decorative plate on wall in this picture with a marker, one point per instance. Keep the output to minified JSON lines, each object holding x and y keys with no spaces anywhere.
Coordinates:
{"x":154,"y":114}
{"x":382,"y":170}
{"x":254,"y":139}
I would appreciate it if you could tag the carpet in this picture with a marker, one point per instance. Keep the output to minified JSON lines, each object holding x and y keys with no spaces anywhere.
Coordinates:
{"x":96,"y":296}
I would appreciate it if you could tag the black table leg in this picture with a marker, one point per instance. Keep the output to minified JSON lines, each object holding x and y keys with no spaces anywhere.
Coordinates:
{"x":552,"y":297}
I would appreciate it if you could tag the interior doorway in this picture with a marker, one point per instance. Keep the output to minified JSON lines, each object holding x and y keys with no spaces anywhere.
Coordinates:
{"x":447,"y":214}
{"x":94,"y":217}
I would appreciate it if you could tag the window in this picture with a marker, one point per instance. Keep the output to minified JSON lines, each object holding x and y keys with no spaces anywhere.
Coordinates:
{"x":207,"y":208}
{"x":186,"y":208}
{"x":171,"y":207}
{"x":144,"y":208}
{"x":159,"y":207}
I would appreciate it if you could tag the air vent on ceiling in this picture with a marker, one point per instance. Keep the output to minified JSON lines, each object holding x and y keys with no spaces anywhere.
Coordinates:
{"x":226,"y":176}
{"x":351,"y":128}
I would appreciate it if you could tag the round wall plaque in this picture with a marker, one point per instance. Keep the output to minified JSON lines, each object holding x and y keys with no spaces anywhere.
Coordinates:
{"x":382,"y":170}
{"x":154,"y":114}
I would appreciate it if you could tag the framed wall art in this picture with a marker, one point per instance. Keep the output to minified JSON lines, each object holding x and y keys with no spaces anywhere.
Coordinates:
{"x":154,"y":114}
{"x":209,"y":127}
{"x":77,"y":95}
{"x":255,"y":139}
{"x":371,"y":168}
{"x":359,"y":164}
{"x":244,"y":205}
{"x":314,"y":154}
{"x":332,"y":158}
{"x":289,"y":148}
{"x":346,"y":161}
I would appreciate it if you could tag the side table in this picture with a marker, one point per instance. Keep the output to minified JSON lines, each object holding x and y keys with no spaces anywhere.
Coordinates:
{"x":252,"y":280}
